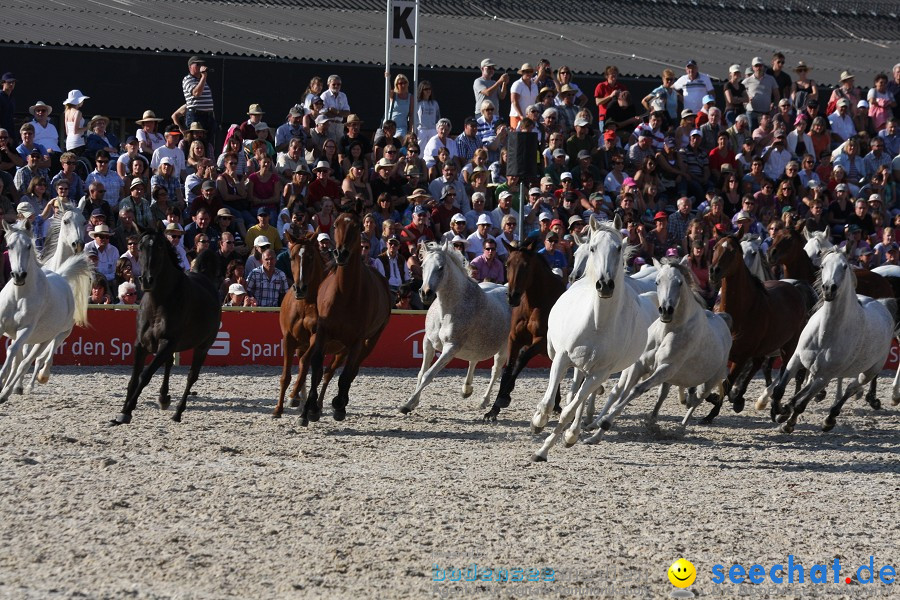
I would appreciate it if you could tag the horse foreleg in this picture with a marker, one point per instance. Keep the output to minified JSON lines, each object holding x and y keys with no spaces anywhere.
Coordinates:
{"x":140,"y":377}
{"x":298,"y":392}
{"x":428,"y":353}
{"x":426,"y":378}
{"x":336,"y":361}
{"x":510,"y":375}
{"x":591,"y":383}
{"x":164,"y":398}
{"x":630,"y":390}
{"x":467,"y":387}
{"x":895,"y":388}
{"x":193,"y":374}
{"x":871,"y":397}
{"x":800,"y":401}
{"x":351,"y":368}
{"x":793,"y":366}
{"x":288,"y":350}
{"x":737,"y":392}
{"x":14,"y":355}
{"x":311,"y":409}
{"x":21,"y":368}
{"x":561,"y":363}
{"x":500,"y":360}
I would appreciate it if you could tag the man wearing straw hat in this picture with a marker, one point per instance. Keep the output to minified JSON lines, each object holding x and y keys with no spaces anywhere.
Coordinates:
{"x":148,"y":135}
{"x":45,"y":132}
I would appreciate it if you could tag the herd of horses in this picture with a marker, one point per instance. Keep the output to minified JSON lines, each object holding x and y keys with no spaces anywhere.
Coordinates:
{"x":824,"y":320}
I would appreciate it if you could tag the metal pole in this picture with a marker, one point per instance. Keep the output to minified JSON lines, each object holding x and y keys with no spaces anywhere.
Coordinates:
{"x":387,"y":58}
{"x":521,"y":221}
{"x":415,"y":86}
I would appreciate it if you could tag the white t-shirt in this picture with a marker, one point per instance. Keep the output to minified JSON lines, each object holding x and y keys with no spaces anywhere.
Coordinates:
{"x":527,"y":96}
{"x":48,"y":136}
{"x":694,"y":90}
{"x":175,"y":154}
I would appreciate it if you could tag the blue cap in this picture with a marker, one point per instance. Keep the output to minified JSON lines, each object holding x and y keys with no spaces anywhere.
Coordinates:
{"x":419,"y":210}
{"x":709,"y":98}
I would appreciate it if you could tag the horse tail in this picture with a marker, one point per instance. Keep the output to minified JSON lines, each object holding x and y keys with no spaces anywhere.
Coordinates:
{"x":77,"y":271}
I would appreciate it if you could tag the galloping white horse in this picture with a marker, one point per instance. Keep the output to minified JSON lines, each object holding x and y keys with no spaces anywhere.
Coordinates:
{"x":755,"y":258}
{"x":687,"y":346}
{"x":64,"y":240}
{"x":466,"y":320}
{"x":849,"y":336}
{"x":38,"y":309}
{"x":599,"y":326}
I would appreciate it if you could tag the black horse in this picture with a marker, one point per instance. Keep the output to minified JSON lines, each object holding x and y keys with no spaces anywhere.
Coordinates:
{"x":177,"y":312}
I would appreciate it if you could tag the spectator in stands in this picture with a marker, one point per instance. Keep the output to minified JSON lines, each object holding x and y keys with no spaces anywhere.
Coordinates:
{"x":7,"y":102}
{"x":99,"y":284}
{"x":523,"y":93}
{"x":110,"y":180}
{"x":264,"y":189}
{"x":149,"y":138}
{"x":486,"y":88}
{"x":482,"y":234}
{"x":607,"y":92}
{"x":200,"y":224}
{"x":428,"y":112}
{"x":392,"y":266}
{"x":28,"y":145}
{"x":67,"y":161}
{"x":736,"y":97}
{"x":198,"y":99}
{"x":95,"y":202}
{"x":776,"y":157}
{"x":847,"y":90}
{"x":165,"y":178}
{"x":73,"y":119}
{"x":127,"y":292}
{"x":99,"y":138}
{"x":842,"y":125}
{"x":238,"y":297}
{"x":131,"y":154}
{"x":266,"y":283}
{"x":693,"y":86}
{"x":107,"y":255}
{"x":457,"y":228}
{"x":137,"y":202}
{"x":171,"y":150}
{"x":486,"y":266}
{"x":336,"y":105}
{"x":264,"y":230}
{"x":25,"y":175}
{"x":782,"y":79}
{"x":45,"y":132}
{"x":763,"y":91}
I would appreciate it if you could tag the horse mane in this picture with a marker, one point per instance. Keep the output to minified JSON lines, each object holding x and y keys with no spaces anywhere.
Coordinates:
{"x":456,"y":258}
{"x":207,"y":263}
{"x":170,"y":249}
{"x":763,"y":256}
{"x":753,"y":280}
{"x":50,"y":241}
{"x":689,"y":277}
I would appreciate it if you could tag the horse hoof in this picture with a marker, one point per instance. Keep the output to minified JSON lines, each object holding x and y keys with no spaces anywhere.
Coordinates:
{"x":490,"y":416}
{"x":276,"y":415}
{"x":19,"y":391}
{"x":781,"y":417}
{"x":503,"y":400}
{"x":304,"y":422}
{"x":405,"y":410}
{"x":605,"y":425}
{"x":340,"y":413}
{"x":875,"y":403}
{"x":829,"y":424}
{"x":787,"y":428}
{"x":164,"y":402}
{"x":738,"y":405}
{"x":295,"y":402}
{"x":707,"y":420}
{"x":313,"y":414}
{"x":176,"y":417}
{"x":821,"y":396}
{"x":536,"y":429}
{"x":895,"y":401}
{"x":467,"y":391}
{"x":538,"y":458}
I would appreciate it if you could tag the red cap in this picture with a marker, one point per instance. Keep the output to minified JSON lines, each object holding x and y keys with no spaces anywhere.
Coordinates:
{"x":557,"y":222}
{"x":660,"y":215}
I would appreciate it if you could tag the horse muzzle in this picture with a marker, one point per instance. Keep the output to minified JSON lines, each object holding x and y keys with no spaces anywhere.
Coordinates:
{"x":666,"y":313}
{"x":427,"y":296}
{"x":78,"y":247}
{"x":829,"y":292}
{"x":514,"y":297}
{"x":715,"y":275}
{"x":341,"y":256}
{"x":606,"y":287}
{"x":19,"y":278}
{"x":146,"y":281}
{"x":300,"y":291}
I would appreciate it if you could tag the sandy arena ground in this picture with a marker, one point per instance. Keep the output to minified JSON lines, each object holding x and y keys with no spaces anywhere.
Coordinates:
{"x":234,"y":504}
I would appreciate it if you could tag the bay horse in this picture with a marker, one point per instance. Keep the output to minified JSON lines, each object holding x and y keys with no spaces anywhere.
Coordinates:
{"x":533,"y":289}
{"x":299,"y":317}
{"x":354,"y":305}
{"x":178,"y":312}
{"x":767,"y":318}
{"x":788,"y":250}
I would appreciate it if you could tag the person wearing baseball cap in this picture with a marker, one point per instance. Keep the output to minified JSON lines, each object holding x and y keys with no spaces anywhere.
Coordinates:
{"x":693,"y":85}
{"x":486,"y":88}
{"x":762,"y":89}
{"x":171,"y":150}
{"x":198,"y":98}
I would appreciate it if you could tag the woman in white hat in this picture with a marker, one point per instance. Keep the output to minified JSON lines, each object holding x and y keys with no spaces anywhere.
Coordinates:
{"x":74,"y":122}
{"x":148,"y":134}
{"x":523,"y":94}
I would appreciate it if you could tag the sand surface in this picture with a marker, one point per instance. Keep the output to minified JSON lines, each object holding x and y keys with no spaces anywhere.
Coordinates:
{"x":234,"y":504}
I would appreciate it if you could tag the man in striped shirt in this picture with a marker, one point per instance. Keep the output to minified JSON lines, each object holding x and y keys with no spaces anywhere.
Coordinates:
{"x":198,"y":97}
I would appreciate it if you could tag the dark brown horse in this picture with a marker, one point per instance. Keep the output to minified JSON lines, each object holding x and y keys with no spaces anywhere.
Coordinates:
{"x":354,"y":306}
{"x":788,"y":251}
{"x":533,"y":290}
{"x":768,"y":318}
{"x":299,"y":318}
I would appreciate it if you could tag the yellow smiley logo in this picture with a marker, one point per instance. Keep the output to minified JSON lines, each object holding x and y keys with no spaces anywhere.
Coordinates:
{"x":682,"y":573}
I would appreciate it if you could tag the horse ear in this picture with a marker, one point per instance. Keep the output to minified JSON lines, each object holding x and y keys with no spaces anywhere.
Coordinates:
{"x":579,"y":239}
{"x":509,"y":247}
{"x":531,"y":243}
{"x":805,"y":233}
{"x":657,"y":264}
{"x":290,"y":237}
{"x":593,"y":223}
{"x":6,"y":226}
{"x":27,"y":227}
{"x":446,"y":245}
{"x":617,"y":221}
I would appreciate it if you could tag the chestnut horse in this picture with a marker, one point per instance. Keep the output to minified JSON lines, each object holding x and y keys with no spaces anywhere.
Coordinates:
{"x":299,"y":318}
{"x":787,"y":250}
{"x":354,"y":305}
{"x":767,"y":318}
{"x":533,"y":290}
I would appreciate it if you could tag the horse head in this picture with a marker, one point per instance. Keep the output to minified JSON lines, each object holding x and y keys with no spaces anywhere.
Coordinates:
{"x":727,"y":258}
{"x":21,"y":250}
{"x":816,"y":246}
{"x":836,"y":272}
{"x":606,"y":258}
{"x":785,"y":242}
{"x":303,"y":250}
{"x":668,"y":289}
{"x":71,"y":230}
{"x":519,"y":267}
{"x":155,"y":250}
{"x":435,"y":262}
{"x":346,"y":238}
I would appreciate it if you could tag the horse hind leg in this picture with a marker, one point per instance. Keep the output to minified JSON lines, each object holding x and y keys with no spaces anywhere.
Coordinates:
{"x":561,"y":363}
{"x":852,"y":389}
{"x":508,"y":380}
{"x":800,"y":401}
{"x":590,"y":383}
{"x":351,"y":368}
{"x":500,"y":360}
{"x":336,"y":362}
{"x":288,"y":350}
{"x":871,"y":396}
{"x":467,"y":387}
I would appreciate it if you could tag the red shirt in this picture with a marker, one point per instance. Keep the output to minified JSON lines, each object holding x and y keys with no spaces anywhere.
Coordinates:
{"x":603,"y":90}
{"x":717,"y":158}
{"x":318,"y":190}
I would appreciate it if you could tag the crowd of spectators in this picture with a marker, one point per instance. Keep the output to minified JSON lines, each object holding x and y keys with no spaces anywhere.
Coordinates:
{"x":681,"y":167}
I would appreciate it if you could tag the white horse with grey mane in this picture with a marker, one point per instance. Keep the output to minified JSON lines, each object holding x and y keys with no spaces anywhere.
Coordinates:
{"x":687,"y":346}
{"x":599,"y":326}
{"x":466,"y":320}
{"x":755,"y":257}
{"x":849,"y":336}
